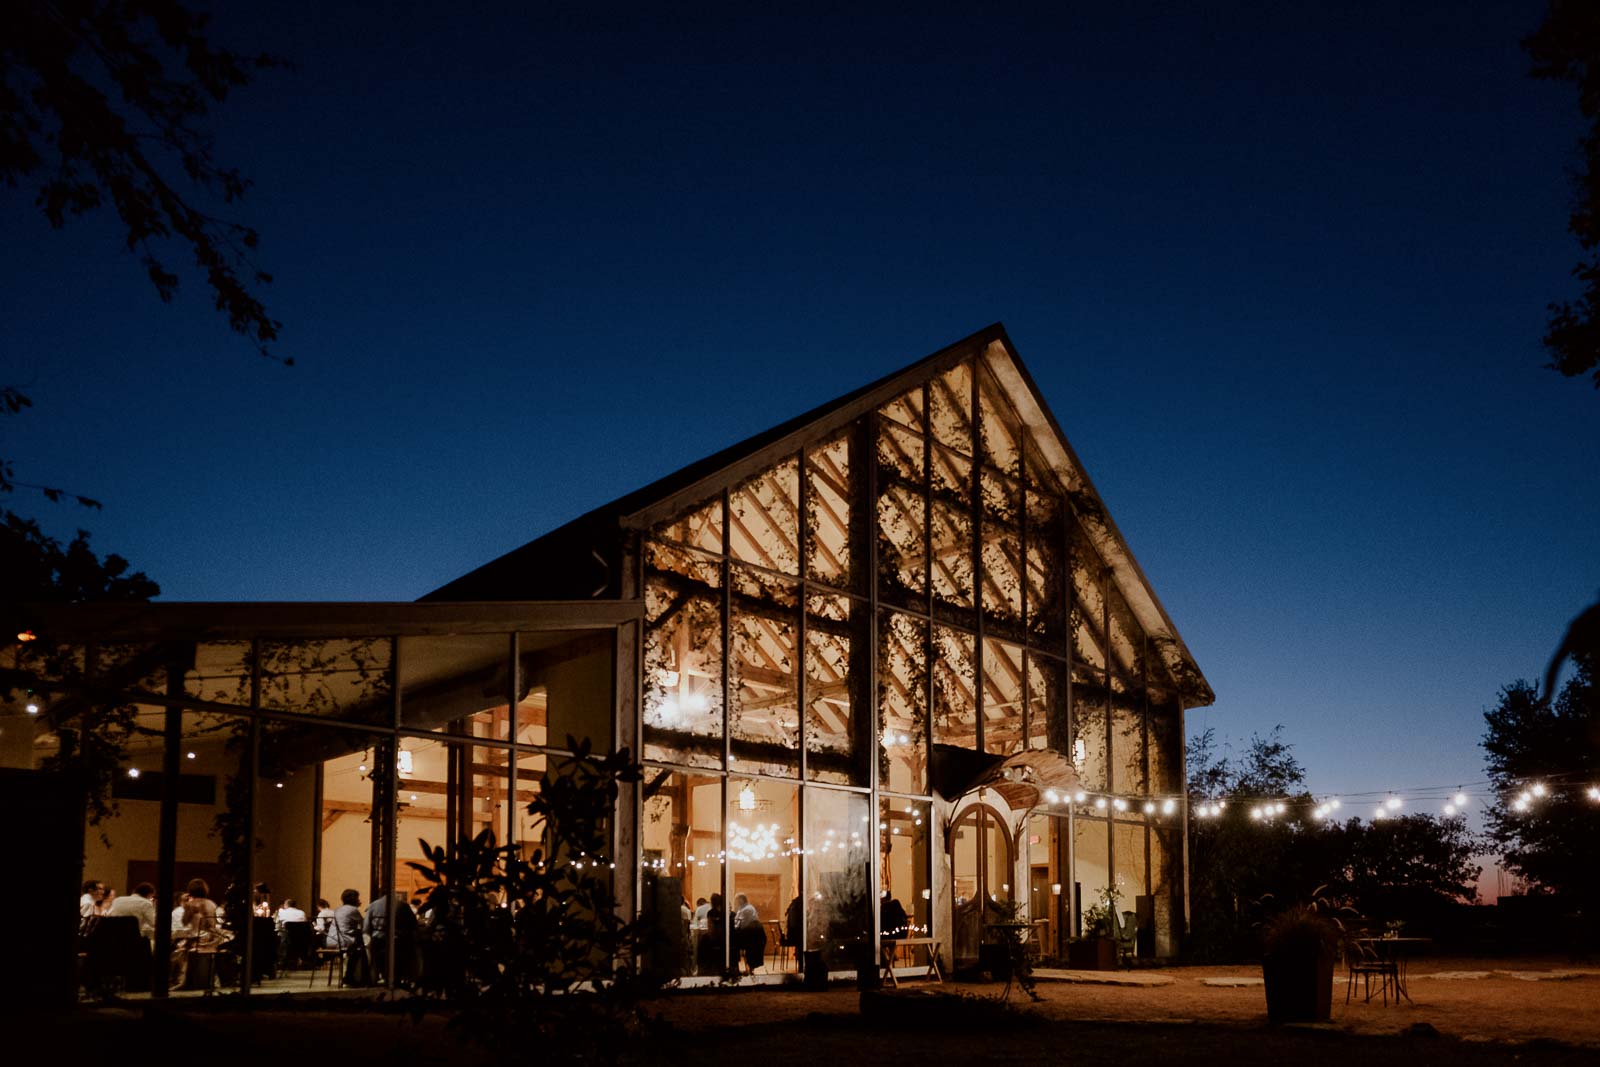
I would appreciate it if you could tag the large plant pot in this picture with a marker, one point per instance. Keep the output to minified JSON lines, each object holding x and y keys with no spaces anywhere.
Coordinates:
{"x":1092,"y":954}
{"x":1299,"y":986}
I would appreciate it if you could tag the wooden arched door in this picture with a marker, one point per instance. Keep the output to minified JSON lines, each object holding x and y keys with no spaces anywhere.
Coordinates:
{"x":981,"y":866}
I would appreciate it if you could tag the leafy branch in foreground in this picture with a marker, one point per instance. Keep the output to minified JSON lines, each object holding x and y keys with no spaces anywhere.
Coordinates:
{"x":99,"y":100}
{"x":531,"y":948}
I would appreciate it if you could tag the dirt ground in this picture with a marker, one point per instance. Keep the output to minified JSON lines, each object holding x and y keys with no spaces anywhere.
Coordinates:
{"x":1518,"y":1000}
{"x":1534,"y":1013}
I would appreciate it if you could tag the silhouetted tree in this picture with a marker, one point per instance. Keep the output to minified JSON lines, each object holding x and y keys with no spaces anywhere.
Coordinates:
{"x":1566,"y":47}
{"x":1415,"y":868}
{"x":39,"y":569}
{"x":1550,"y":844}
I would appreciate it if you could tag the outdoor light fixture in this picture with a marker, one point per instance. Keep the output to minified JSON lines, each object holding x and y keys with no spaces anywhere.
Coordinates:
{"x":1538,"y":789}
{"x":188,"y":755}
{"x":1149,"y":807}
{"x":1100,"y":803}
{"x":1080,"y":796}
{"x":1460,"y":800}
{"x":1393,"y":803}
{"x":1169,"y":806}
{"x":27,"y":635}
{"x":33,"y":709}
{"x":133,"y":772}
{"x":1594,"y":793}
{"x":1120,"y":804}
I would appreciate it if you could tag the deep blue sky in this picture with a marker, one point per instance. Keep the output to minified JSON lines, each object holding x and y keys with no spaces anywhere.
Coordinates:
{"x":1280,"y":270}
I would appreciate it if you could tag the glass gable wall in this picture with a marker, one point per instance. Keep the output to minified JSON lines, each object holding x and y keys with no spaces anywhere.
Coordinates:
{"x":924,"y":562}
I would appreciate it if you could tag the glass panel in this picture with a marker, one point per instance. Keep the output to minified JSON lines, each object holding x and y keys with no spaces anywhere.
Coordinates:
{"x":568,"y":685}
{"x":903,"y":704}
{"x":950,"y":414}
{"x":701,"y":568}
{"x":458,"y":683}
{"x":1037,"y":471}
{"x":905,"y":901}
{"x":832,"y":608}
{"x":1091,"y":876}
{"x":1130,"y":863}
{"x":1046,"y":573}
{"x":343,"y":678}
{"x":682,"y":840}
{"x":1166,"y":753}
{"x":700,"y":527}
{"x":1047,"y":896}
{"x":955,"y":712}
{"x":997,"y":856}
{"x":1126,"y":635}
{"x":833,"y":752}
{"x":1089,"y":729}
{"x":763,"y":870}
{"x":682,"y":677}
{"x":828,"y":496}
{"x":764,"y":519}
{"x":998,"y":426}
{"x":1000,"y":496}
{"x":1088,"y":636}
{"x":1002,"y":698}
{"x":450,"y":790}
{"x":1127,"y":742}
{"x":1002,"y":580}
{"x":952,"y":534}
{"x":764,"y":720}
{"x":906,"y":410}
{"x":1047,"y":703}
{"x":901,"y":506}
{"x":220,"y":674}
{"x":121,"y":851}
{"x":900,"y":456}
{"x":838,"y":884}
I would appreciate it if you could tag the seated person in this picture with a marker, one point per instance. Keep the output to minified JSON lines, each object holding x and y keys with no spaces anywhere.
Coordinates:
{"x":142,"y":905}
{"x":749,"y":936}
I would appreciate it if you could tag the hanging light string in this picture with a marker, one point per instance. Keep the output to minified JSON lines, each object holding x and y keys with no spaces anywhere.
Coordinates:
{"x":1522,"y":795}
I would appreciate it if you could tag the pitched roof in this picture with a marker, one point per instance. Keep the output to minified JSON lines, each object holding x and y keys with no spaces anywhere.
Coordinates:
{"x":546,"y":566}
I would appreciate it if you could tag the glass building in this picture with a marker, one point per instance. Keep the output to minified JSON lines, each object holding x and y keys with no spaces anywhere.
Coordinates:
{"x":892,"y":657}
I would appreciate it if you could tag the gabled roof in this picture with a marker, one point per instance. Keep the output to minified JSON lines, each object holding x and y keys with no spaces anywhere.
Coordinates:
{"x":547,"y":567}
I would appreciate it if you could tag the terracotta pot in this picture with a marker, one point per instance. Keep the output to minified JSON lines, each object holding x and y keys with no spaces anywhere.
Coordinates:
{"x":1299,"y":986}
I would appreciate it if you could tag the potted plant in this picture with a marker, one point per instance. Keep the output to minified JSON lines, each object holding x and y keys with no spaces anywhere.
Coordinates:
{"x":1097,"y":949}
{"x":1299,"y":945}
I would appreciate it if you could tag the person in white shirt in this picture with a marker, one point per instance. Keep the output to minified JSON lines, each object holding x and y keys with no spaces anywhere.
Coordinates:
{"x":92,"y":900}
{"x":749,"y":936}
{"x":290,"y":912}
{"x":141,"y":905}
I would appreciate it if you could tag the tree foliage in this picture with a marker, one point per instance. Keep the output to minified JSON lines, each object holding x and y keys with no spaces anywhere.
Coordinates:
{"x":1414,"y":868}
{"x":35,"y":568}
{"x":1566,"y":47}
{"x":1557,"y":743}
{"x":102,"y":103}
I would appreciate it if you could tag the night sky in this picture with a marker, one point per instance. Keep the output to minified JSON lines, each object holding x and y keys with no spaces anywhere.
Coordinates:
{"x":1279,"y":269}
